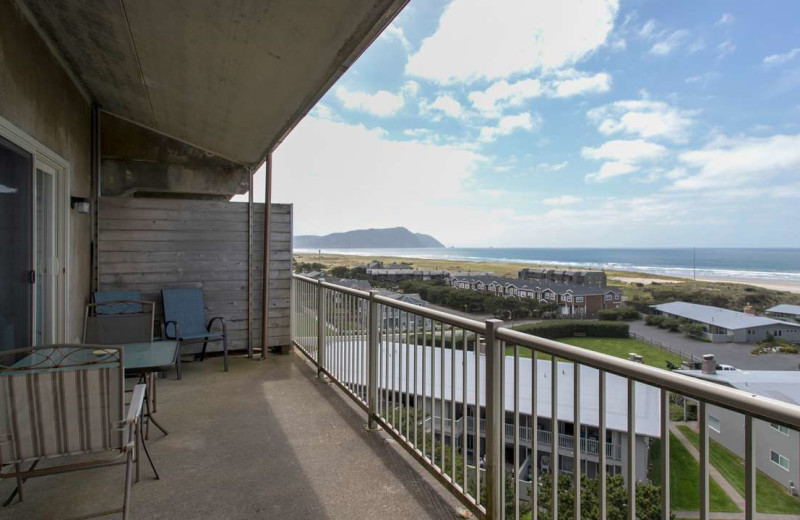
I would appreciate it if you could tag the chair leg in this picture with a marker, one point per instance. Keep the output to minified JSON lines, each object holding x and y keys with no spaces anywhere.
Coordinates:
{"x":225,"y":351}
{"x":149,"y":459}
{"x":203,"y":352}
{"x":126,"y":505}
{"x":178,"y":374}
{"x":20,"y":481}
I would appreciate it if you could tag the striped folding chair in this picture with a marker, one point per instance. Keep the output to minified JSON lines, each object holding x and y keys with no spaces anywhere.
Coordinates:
{"x":59,"y":401}
{"x":185,"y":321}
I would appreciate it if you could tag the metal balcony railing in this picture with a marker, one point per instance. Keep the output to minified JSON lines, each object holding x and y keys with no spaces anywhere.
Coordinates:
{"x":406,"y":370}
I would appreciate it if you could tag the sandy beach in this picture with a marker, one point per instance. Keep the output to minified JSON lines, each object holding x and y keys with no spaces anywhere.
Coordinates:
{"x":510,"y":269}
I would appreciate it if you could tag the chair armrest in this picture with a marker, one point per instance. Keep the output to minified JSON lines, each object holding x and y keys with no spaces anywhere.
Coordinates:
{"x":164,"y":329}
{"x":221,"y":320}
{"x":137,"y":401}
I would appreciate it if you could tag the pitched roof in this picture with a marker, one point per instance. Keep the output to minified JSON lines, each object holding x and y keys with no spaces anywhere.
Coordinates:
{"x":785,"y":308}
{"x":776,"y":384}
{"x":724,"y":318}
{"x":538,"y":285}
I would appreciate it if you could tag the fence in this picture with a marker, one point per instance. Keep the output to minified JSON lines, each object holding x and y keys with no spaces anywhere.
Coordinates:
{"x":403,"y":386}
{"x":664,"y":346}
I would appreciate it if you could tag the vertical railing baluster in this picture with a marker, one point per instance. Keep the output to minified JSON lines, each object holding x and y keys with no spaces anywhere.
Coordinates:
{"x":464,"y":408}
{"x":476,"y":445}
{"x":495,"y":427}
{"x":665,"y":462}
{"x":749,"y":469}
{"x":602,"y":434}
{"x":453,"y":404}
{"x":394,"y":362}
{"x":442,"y":409}
{"x":516,"y":432}
{"x":554,"y":435}
{"x":702,"y":413}
{"x":433,"y":393}
{"x":631,"y":449}
{"x":408,"y":378}
{"x":576,"y":430}
{"x":372,"y":360}
{"x":320,"y":330}
{"x":424,"y":387}
{"x":534,"y":438}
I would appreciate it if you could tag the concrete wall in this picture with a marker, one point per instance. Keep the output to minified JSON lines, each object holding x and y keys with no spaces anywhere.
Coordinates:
{"x":136,"y":160}
{"x":731,"y":435}
{"x":37,"y":96}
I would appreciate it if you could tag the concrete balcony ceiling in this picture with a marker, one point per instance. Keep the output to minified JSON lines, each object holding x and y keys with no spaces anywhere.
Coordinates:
{"x":232,"y":78}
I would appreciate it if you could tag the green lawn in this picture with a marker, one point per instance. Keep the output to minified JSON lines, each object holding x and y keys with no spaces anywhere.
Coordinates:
{"x":617,"y":347}
{"x":771,"y":497}
{"x":684,"y":473}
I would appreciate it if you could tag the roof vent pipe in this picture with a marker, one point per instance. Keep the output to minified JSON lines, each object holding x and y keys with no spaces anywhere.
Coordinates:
{"x":709,"y":364}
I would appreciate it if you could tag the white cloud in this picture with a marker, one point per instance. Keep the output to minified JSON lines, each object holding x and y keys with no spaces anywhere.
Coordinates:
{"x":552,"y":167}
{"x":648,"y":30}
{"x":643,"y":118}
{"x":702,"y":79}
{"x":563,"y":200}
{"x":634,"y":150}
{"x":509,"y":124}
{"x":559,"y":84}
{"x":670,"y":43}
{"x":575,"y":83}
{"x":780,"y":59}
{"x":383,"y":103}
{"x":726,"y":18}
{"x":447,"y":105}
{"x":725,"y":48}
{"x":731,"y":162}
{"x":395,"y":33}
{"x":622,"y":157}
{"x":504,"y":94}
{"x":353,"y":195}
{"x":477,"y":40}
{"x":323,"y":111}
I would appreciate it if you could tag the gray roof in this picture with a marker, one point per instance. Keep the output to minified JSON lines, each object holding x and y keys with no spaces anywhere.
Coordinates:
{"x":538,"y":285}
{"x":776,"y":384}
{"x":732,"y":320}
{"x":648,"y":419}
{"x":362,"y":285}
{"x":785,"y":308}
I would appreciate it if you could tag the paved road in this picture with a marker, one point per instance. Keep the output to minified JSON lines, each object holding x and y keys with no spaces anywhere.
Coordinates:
{"x":736,"y":354}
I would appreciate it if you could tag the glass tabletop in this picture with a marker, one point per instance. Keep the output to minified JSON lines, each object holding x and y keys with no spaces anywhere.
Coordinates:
{"x":137,"y":357}
{"x":149,"y":355}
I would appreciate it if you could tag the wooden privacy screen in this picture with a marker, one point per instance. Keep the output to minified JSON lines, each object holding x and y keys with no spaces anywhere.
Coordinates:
{"x":154,"y":244}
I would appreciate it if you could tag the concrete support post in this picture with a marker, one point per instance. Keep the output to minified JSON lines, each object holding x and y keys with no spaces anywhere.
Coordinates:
{"x":372,"y":361}
{"x":495,"y":427}
{"x":320,"y":329}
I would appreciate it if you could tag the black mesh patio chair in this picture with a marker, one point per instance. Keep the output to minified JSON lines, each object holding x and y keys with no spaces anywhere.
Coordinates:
{"x":75,"y":393}
{"x":185,"y":321}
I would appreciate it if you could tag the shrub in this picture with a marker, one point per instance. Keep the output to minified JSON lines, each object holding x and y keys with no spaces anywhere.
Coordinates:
{"x":608,"y":315}
{"x":653,"y":319}
{"x":693,"y":329}
{"x":629,"y":313}
{"x":670,"y":324}
{"x":568,"y":328}
{"x":788,"y":349}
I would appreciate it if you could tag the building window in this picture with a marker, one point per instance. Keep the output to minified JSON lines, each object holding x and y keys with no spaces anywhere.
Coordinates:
{"x":779,"y":459}
{"x":781,"y":428}
{"x":579,"y":299}
{"x":616,"y":296}
{"x":713,"y":423}
{"x":608,"y":297}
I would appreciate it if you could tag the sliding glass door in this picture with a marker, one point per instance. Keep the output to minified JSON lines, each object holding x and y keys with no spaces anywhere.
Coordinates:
{"x":16,"y":246}
{"x":28,"y":239}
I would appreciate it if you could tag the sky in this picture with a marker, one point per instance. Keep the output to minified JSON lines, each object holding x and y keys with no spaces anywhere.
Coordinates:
{"x":593,"y":123}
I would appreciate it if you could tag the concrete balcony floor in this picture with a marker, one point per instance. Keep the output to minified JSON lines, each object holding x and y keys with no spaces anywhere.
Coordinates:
{"x":266,"y":440}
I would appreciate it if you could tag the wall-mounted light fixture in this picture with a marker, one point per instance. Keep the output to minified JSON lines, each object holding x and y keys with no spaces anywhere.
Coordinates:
{"x":79,"y":204}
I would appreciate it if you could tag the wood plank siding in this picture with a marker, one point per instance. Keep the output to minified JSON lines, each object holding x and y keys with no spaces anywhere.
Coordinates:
{"x":154,"y":244}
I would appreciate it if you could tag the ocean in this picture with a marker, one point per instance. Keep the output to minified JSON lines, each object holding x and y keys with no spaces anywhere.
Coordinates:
{"x":765,"y":264}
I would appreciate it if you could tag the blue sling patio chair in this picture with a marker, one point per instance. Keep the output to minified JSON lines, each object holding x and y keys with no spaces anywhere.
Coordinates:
{"x":185,"y":321}
{"x":62,"y":401}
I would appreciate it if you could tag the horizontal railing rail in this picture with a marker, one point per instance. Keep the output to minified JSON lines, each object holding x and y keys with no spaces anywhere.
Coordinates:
{"x":412,"y":369}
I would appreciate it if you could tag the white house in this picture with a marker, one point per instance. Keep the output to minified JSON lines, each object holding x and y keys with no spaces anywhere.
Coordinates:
{"x":726,"y":326}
